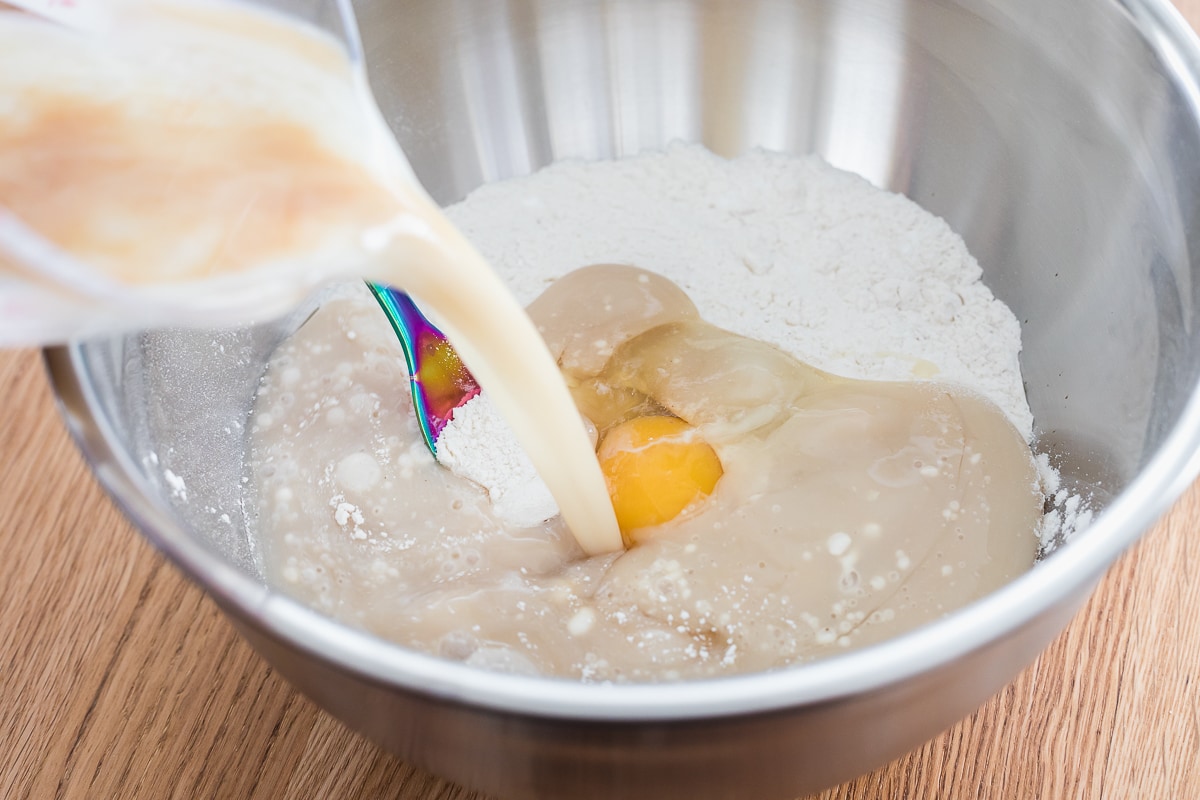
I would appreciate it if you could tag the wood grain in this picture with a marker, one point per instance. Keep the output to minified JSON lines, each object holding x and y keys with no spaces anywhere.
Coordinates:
{"x":118,"y":679}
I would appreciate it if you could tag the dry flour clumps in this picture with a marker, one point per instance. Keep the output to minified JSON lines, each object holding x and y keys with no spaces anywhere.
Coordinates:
{"x":788,"y":250}
{"x":1066,"y":513}
{"x":478,"y":444}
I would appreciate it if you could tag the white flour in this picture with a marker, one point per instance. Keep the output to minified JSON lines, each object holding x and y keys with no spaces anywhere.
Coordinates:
{"x":1066,"y":513}
{"x":788,"y":250}
{"x":478,"y":445}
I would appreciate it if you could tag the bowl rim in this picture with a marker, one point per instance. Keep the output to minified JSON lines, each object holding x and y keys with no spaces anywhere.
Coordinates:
{"x":1164,"y":478}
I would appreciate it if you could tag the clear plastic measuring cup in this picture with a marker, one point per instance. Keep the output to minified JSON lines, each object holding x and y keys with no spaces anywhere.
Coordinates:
{"x":91,"y":241}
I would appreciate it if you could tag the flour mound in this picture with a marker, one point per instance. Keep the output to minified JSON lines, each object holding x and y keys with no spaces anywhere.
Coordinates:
{"x":844,"y":276}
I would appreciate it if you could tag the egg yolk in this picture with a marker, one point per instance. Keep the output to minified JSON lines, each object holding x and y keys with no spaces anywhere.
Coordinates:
{"x":655,"y":468}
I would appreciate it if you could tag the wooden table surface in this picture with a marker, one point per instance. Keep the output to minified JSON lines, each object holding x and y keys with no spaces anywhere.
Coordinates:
{"x":120,"y":679}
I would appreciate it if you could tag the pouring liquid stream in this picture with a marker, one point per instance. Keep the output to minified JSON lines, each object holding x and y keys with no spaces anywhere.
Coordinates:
{"x":211,"y":163}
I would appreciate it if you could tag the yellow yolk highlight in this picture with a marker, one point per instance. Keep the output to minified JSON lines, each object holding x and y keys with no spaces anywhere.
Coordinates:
{"x":656,"y":467}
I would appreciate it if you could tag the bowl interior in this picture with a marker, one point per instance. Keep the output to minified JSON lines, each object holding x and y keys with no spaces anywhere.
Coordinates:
{"x":1060,"y":141}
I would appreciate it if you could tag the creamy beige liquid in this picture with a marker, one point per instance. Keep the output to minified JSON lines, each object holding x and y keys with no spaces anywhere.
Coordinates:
{"x":205,"y":161}
{"x":848,"y":512}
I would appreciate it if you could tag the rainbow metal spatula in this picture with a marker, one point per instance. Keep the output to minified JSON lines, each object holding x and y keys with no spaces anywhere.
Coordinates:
{"x":439,"y":380}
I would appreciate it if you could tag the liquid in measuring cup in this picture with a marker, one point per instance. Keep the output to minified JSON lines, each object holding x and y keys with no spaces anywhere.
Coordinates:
{"x":210,"y":163}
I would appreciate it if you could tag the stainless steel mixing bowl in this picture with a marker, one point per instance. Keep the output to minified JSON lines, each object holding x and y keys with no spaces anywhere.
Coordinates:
{"x":1061,"y":139}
